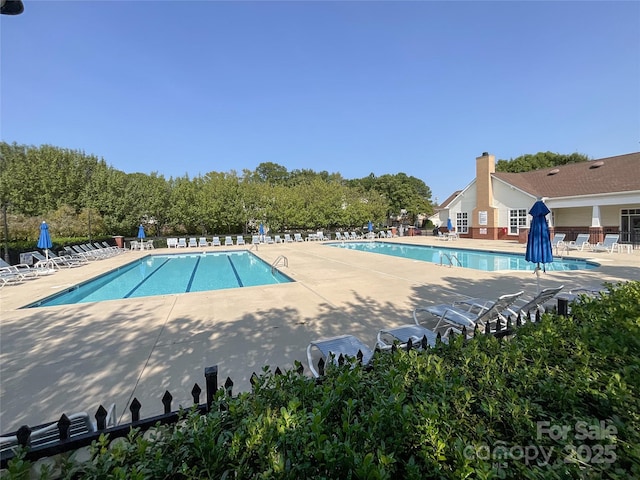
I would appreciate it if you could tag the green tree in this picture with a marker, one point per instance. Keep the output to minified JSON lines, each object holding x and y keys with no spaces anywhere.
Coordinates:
{"x":528,"y":162}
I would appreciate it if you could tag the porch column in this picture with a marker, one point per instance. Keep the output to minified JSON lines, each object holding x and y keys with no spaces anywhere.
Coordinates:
{"x":596,"y":232}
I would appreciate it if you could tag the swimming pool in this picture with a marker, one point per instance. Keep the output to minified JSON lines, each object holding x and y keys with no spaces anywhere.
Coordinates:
{"x":170,"y":274}
{"x":487,"y":261}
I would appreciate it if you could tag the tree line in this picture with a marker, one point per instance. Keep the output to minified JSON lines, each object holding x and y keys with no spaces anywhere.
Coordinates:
{"x":81,"y":195}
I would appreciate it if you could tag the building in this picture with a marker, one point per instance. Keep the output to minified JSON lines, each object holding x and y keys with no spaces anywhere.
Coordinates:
{"x":599,"y":196}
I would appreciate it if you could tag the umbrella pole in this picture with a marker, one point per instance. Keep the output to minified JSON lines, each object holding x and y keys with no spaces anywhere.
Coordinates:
{"x":537,"y":272}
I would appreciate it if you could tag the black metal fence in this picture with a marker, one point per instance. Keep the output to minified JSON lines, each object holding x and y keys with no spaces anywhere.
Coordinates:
{"x":65,"y":442}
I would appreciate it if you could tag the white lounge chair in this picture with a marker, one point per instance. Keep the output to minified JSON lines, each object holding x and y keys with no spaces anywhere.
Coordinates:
{"x":580,"y":243}
{"x":172,"y":243}
{"x":268,"y":239}
{"x":255,"y":239}
{"x":193,"y":242}
{"x":24,"y":269}
{"x":401,"y":335}
{"x":277,"y":239}
{"x":609,"y":244}
{"x":526,"y":308}
{"x":330,"y":349}
{"x":463,"y":313}
{"x":215,"y":242}
{"x":297,"y":237}
{"x":81,"y":423}
{"x":557,"y":242}
{"x":182,"y":243}
{"x":202,"y":242}
{"x":287,"y":238}
{"x":228,"y":241}
{"x":240,"y":240}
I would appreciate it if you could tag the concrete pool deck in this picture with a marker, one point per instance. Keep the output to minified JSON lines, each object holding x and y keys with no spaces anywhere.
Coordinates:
{"x":72,"y":358}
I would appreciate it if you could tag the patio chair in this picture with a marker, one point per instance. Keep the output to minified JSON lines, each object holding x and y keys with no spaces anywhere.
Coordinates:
{"x":417,"y":333}
{"x":172,"y":242}
{"x":526,"y":309}
{"x":609,"y":244}
{"x":277,"y":239}
{"x":192,"y":242}
{"x":7,"y":278}
{"x":464,"y":314}
{"x":331,"y":349}
{"x":268,"y":239}
{"x":297,"y":237}
{"x":59,"y":261}
{"x":557,"y":241}
{"x":182,"y":243}
{"x":23,"y":269}
{"x":240,"y":240}
{"x":202,"y":242}
{"x":340,"y":238}
{"x":215,"y":242}
{"x":255,"y":239}
{"x":287,"y":238}
{"x":580,"y":243}
{"x":81,"y":423}
{"x":228,"y":241}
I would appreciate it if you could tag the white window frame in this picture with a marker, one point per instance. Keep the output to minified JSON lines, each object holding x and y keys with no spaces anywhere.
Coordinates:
{"x":518,"y":218}
{"x":462,"y":222}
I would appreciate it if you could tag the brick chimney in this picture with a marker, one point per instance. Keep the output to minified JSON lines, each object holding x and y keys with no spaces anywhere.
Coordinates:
{"x":484,"y":222}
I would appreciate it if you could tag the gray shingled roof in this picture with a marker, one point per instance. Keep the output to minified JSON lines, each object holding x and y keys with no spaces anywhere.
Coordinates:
{"x":616,"y":174}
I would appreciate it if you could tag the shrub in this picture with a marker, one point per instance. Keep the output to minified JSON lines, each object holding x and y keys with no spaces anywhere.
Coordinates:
{"x":558,"y":400}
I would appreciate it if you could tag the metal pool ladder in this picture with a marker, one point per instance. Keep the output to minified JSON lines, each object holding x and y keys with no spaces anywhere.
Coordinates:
{"x":450,"y":258}
{"x":281,"y":260}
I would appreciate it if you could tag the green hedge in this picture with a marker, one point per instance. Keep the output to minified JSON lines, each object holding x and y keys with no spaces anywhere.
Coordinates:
{"x":561,"y":399}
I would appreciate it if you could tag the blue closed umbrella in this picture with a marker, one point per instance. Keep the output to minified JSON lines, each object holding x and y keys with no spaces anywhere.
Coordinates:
{"x":141,"y":234}
{"x":370,"y":226}
{"x":539,"y":249}
{"x":44,"y":240}
{"x":449,"y":225}
{"x":261,"y":229}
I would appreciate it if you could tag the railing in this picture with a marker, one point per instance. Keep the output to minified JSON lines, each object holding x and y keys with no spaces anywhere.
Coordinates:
{"x":450,"y":258}
{"x":281,"y":260}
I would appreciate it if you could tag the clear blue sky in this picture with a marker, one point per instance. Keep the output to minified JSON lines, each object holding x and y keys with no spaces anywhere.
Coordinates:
{"x":352,"y":87}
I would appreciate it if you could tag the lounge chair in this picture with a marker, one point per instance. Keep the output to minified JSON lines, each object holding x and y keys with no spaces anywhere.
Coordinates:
{"x":609,"y":244}
{"x":228,"y":241}
{"x":340,"y":238}
{"x":557,"y":242}
{"x":23,"y":269}
{"x":527,"y":308}
{"x":182,"y":243}
{"x":464,"y":314}
{"x":215,"y":242}
{"x":7,"y":278}
{"x":277,"y":239}
{"x":81,"y":423}
{"x":580,"y":243}
{"x":255,"y":239}
{"x":76,"y":250}
{"x":240,"y":240}
{"x":192,"y":242}
{"x":172,"y":243}
{"x":402,"y":334}
{"x":55,"y":261}
{"x":331,"y":349}
{"x":268,"y":239}
{"x":297,"y":237}
{"x":287,"y":238}
{"x":202,"y":242}
{"x":353,"y":236}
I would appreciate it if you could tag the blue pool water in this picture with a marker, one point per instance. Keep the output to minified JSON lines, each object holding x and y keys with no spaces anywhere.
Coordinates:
{"x":168,"y":274}
{"x":476,"y":259}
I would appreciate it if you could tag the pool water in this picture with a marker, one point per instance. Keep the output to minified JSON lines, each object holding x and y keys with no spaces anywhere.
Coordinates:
{"x":476,"y":259}
{"x":170,"y":274}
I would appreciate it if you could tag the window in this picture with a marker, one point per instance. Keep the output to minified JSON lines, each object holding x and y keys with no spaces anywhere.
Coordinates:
{"x":462,"y":222}
{"x":517,"y":220}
